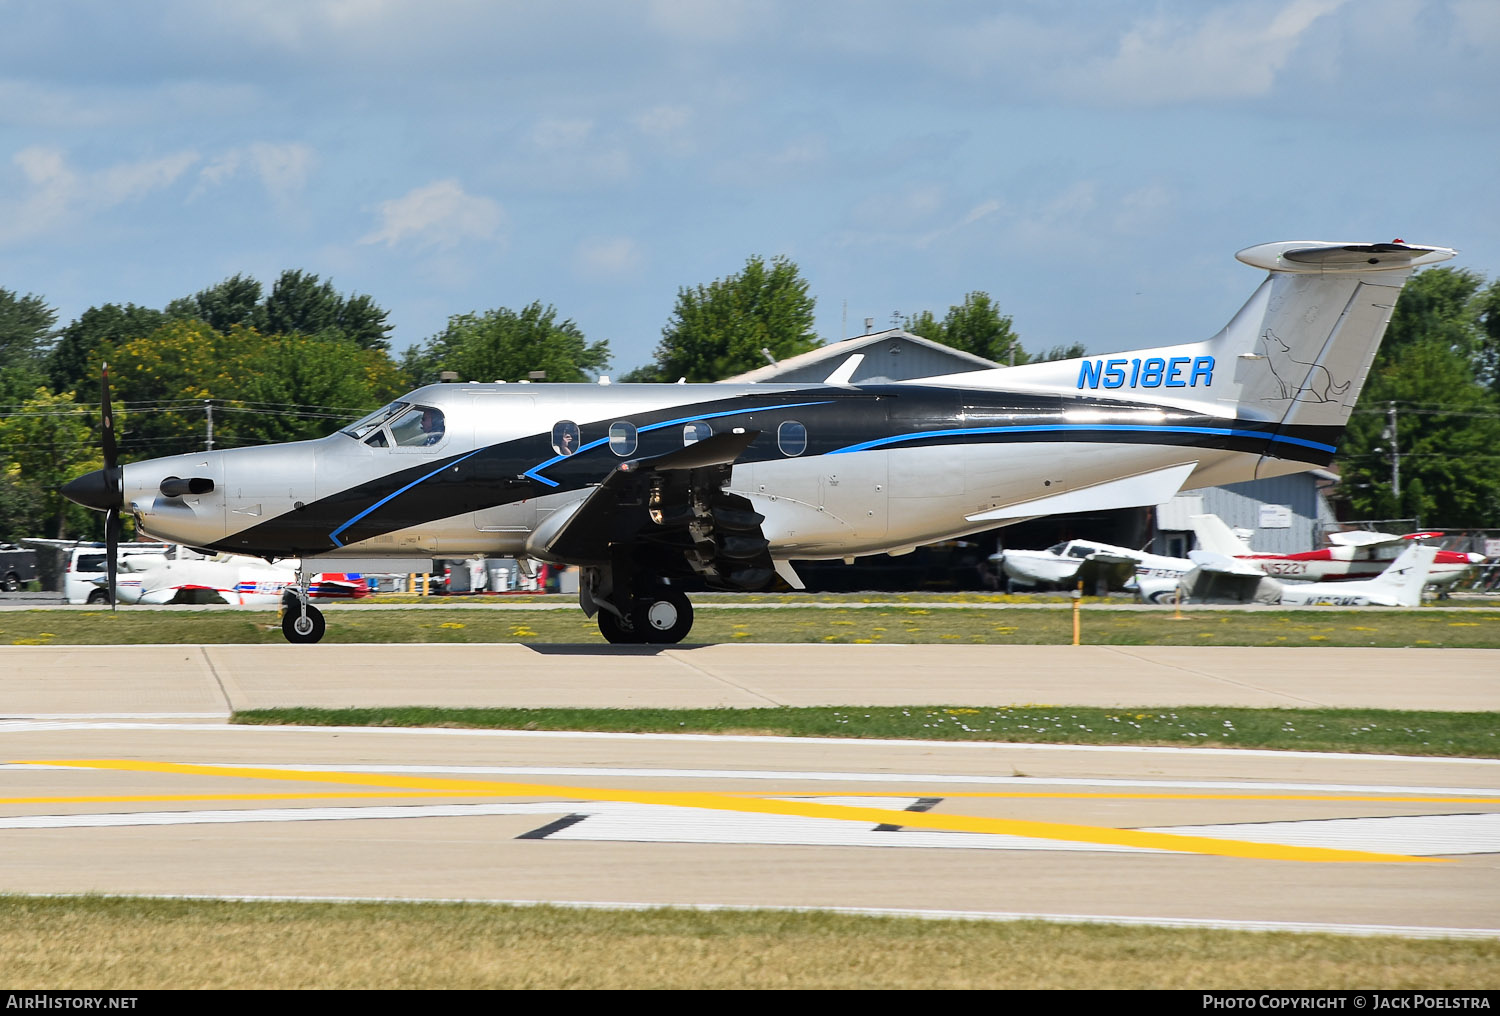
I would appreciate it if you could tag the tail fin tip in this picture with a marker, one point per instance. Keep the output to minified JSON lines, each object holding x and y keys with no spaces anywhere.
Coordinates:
{"x":1322,"y":257}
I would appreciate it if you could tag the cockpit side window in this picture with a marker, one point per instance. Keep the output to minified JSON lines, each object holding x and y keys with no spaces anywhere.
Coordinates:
{"x":1080,"y":551}
{"x":418,"y":427}
{"x":361,"y":428}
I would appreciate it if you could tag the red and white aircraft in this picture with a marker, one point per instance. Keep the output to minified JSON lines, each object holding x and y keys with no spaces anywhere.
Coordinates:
{"x":226,"y":578}
{"x":1353,"y":555}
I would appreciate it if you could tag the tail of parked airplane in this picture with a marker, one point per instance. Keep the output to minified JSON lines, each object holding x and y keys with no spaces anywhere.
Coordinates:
{"x":1408,"y":574}
{"x":1217,"y":538}
{"x":1295,"y":357}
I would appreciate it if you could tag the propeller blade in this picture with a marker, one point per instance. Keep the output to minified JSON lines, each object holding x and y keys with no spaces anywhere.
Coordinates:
{"x":106,"y":420}
{"x":112,"y":549}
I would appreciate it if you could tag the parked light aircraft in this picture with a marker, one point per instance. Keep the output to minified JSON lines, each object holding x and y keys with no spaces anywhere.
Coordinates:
{"x":1153,"y":576}
{"x":224,"y":578}
{"x":1352,"y":555}
{"x":646,"y":487}
{"x":1225,"y":579}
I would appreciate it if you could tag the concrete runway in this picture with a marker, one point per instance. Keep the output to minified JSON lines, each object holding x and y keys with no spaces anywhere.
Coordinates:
{"x":120,"y":776}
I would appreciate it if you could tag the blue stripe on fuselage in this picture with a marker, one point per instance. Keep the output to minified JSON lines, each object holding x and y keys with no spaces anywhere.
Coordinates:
{"x":1055,"y":428}
{"x":334,"y":536}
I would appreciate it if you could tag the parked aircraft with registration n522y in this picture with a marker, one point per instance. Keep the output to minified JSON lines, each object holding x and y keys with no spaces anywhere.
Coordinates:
{"x":648,"y":487}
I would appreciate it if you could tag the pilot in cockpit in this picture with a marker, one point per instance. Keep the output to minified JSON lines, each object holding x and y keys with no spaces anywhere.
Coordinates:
{"x":432,"y":425}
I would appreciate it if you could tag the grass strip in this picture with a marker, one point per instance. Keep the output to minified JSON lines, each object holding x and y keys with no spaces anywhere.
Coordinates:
{"x":128,"y":943}
{"x":887,"y":624}
{"x":1380,"y":731}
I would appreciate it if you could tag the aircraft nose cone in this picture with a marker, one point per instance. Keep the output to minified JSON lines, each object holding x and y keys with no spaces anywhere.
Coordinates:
{"x":99,"y":490}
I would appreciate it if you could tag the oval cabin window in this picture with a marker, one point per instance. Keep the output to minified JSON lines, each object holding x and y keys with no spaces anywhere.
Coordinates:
{"x":622,"y":438}
{"x":791,"y":438}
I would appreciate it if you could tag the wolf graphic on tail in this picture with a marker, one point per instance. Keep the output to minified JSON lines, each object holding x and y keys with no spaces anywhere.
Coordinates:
{"x":1317,"y":384}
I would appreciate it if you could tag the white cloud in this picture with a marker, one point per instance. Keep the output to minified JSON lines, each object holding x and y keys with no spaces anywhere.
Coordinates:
{"x":56,"y":193}
{"x":608,"y":257}
{"x":440,"y":215}
{"x":1225,"y":52}
{"x":282,"y":169}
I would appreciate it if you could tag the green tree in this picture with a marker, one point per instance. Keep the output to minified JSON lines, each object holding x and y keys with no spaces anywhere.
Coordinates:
{"x":974,"y":326}
{"x":299,"y":302}
{"x":221,"y":307}
{"x":723,"y":329}
{"x":295,"y":387}
{"x":1447,"y":421}
{"x":25,"y":329}
{"x":507,"y":345}
{"x":44,"y":443}
{"x":73,"y":365}
{"x":261,"y":388}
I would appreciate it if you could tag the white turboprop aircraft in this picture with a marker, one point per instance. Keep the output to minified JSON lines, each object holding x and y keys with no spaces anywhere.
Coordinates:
{"x":1218,"y":578}
{"x":1155,"y":577}
{"x":650,"y":488}
{"x":1352,"y":555}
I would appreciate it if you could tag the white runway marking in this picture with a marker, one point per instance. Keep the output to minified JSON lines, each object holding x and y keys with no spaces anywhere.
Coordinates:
{"x":1413,"y":835}
{"x":857,"y":743}
{"x":613,"y":822}
{"x":833,"y":776}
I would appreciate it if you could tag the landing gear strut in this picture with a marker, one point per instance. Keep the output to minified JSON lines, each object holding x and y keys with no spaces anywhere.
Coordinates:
{"x":301,"y":622}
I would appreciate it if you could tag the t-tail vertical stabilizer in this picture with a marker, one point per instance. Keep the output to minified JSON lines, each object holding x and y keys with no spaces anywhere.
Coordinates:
{"x":1295,"y":356}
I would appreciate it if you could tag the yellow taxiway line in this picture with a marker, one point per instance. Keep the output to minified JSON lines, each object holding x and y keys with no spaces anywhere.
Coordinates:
{"x":754,"y":805}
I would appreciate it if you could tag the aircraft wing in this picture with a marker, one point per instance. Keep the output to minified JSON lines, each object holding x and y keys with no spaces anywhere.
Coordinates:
{"x":1222,"y":564}
{"x":1362,"y":538}
{"x":1218,"y":578}
{"x":1103,"y":572}
{"x":672,"y":513}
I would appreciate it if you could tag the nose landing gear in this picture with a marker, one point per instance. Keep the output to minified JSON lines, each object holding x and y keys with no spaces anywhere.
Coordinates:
{"x":301,"y":622}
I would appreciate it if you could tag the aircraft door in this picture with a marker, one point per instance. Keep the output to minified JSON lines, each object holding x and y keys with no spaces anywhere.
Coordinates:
{"x":498,"y":417}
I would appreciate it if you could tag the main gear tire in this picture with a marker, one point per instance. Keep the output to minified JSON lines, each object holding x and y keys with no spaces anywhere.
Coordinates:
{"x":615,"y":631}
{"x":664,"y":617}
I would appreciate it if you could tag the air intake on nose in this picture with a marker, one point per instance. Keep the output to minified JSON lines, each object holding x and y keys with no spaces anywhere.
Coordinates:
{"x":173,"y":486}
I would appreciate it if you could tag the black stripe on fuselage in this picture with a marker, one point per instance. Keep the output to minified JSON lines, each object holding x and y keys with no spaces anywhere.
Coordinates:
{"x":837,"y":421}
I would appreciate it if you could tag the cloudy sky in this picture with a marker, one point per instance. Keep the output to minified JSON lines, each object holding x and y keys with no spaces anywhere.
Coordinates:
{"x":1093,"y":165}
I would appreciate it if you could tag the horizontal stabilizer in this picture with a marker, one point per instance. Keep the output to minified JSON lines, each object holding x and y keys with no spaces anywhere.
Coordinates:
{"x":1155,"y":487}
{"x":1322,"y":258}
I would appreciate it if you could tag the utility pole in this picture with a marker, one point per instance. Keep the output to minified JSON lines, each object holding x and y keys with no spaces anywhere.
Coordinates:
{"x":208,"y":410}
{"x":1395,"y":445}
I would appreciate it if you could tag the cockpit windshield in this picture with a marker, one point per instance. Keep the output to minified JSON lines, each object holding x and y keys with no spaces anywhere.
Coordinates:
{"x":361,"y":427}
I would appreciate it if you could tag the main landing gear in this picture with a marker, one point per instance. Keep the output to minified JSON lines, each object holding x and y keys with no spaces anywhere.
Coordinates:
{"x":301,"y":622}
{"x":660,"y":616}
